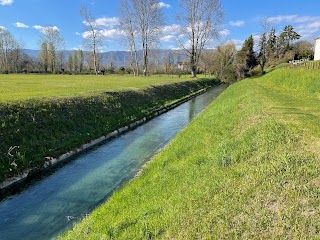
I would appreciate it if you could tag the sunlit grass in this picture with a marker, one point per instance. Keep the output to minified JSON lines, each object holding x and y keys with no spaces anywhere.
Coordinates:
{"x":246,"y":168}
{"x":26,"y":86}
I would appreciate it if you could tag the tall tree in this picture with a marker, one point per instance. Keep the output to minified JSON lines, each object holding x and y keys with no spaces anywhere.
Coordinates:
{"x":149,"y":19}
{"x":7,"y":45}
{"x":80,"y":52}
{"x":70,"y":62}
{"x":92,"y":35}
{"x":223,"y":63}
{"x":129,"y":26}
{"x":75,"y":61}
{"x":200,"y":20}
{"x":51,"y":35}
{"x":288,"y":36}
{"x":43,"y":56}
{"x":272,"y":43}
{"x":262,"y":58}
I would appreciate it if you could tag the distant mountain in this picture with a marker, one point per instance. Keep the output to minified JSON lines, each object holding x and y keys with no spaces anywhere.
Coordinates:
{"x":121,"y":58}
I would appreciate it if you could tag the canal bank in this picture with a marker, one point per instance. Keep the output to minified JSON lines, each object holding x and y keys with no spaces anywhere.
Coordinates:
{"x":37,"y":132}
{"x":54,"y":203}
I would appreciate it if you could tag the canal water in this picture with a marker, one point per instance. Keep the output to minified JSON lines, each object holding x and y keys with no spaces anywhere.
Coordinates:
{"x":52,"y":204}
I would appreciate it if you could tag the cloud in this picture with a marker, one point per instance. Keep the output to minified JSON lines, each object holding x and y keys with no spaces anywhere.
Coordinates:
{"x":238,"y":23}
{"x":163,"y":5}
{"x":3,"y":28}
{"x":306,"y":26}
{"x":168,"y":38}
{"x":21,"y":25}
{"x":224,"y":32}
{"x":170,"y":29}
{"x":41,"y":28}
{"x":6,"y":2}
{"x":105,"y":22}
{"x":107,"y":34}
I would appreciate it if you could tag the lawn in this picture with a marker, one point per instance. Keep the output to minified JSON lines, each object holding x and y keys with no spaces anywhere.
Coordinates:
{"x":246,"y":168}
{"x":21,"y":87}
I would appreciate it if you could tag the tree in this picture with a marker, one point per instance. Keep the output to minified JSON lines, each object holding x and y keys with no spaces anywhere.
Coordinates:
{"x":288,"y":36}
{"x":200,"y":20}
{"x":223,"y":64}
{"x":263,"y":44}
{"x":271,"y":43}
{"x":303,"y":49}
{"x":148,"y":19}
{"x":262,"y":58}
{"x":75,"y":61}
{"x":92,"y":35}
{"x":246,"y":55}
{"x":128,"y":25}
{"x":53,"y":39}
{"x":7,"y":45}
{"x":70,"y":63}
{"x":80,"y":52}
{"x":43,"y":56}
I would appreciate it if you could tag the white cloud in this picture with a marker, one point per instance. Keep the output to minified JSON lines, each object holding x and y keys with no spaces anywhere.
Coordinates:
{"x":168,"y":38}
{"x":163,"y":5}
{"x":238,"y":23}
{"x":306,"y":26}
{"x":171,"y":29}
{"x":105,"y":22}
{"x":224,"y":32}
{"x":108,"y":34}
{"x":2,"y":27}
{"x":41,"y":28}
{"x":6,"y":2}
{"x":21,"y":25}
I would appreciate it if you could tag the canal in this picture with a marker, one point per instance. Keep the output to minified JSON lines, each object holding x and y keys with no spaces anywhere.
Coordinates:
{"x":51,"y":204}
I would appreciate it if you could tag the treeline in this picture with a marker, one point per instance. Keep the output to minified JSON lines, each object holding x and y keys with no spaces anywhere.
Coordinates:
{"x":268,"y":50}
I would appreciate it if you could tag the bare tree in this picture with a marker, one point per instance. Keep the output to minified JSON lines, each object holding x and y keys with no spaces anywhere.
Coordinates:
{"x":7,"y":45}
{"x":55,"y":42}
{"x":127,"y":23}
{"x":142,"y":19}
{"x":92,"y":35}
{"x":200,"y":20}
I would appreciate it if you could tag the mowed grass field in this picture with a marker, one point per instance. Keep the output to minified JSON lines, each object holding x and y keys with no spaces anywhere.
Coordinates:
{"x":248,"y":167}
{"x":21,"y":87}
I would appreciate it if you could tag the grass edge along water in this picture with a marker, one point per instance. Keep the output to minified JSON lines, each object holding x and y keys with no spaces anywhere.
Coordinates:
{"x":247,"y":167}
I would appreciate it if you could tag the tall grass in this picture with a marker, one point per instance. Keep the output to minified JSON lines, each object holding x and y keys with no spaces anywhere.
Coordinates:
{"x":246,"y":168}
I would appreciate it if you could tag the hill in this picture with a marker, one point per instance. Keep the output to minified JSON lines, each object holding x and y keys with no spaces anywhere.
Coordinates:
{"x":246,"y":168}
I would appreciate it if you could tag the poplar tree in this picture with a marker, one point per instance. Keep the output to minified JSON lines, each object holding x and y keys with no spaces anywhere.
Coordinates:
{"x":43,"y":56}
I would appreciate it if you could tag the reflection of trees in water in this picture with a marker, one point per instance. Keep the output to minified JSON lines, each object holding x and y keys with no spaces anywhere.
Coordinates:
{"x":192,"y":108}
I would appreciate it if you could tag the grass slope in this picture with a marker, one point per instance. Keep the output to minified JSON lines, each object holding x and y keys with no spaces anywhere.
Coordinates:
{"x":248,"y":167}
{"x":21,"y":87}
{"x":34,"y":129}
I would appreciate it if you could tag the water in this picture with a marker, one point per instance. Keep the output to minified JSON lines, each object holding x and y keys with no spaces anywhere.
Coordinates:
{"x":51,"y":205}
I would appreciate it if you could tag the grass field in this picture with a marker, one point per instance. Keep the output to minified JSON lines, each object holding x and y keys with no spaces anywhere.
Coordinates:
{"x":246,"y":168}
{"x":21,"y":87}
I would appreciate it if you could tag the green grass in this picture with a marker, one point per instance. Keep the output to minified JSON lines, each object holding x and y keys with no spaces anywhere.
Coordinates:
{"x":21,"y":87}
{"x":32,"y":130}
{"x":246,"y":168}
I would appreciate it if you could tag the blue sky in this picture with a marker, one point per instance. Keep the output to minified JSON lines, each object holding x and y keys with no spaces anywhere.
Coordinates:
{"x":25,"y":18}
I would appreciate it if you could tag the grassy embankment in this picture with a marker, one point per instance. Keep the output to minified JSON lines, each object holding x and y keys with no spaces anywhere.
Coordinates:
{"x":248,"y":167}
{"x":31,"y":130}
